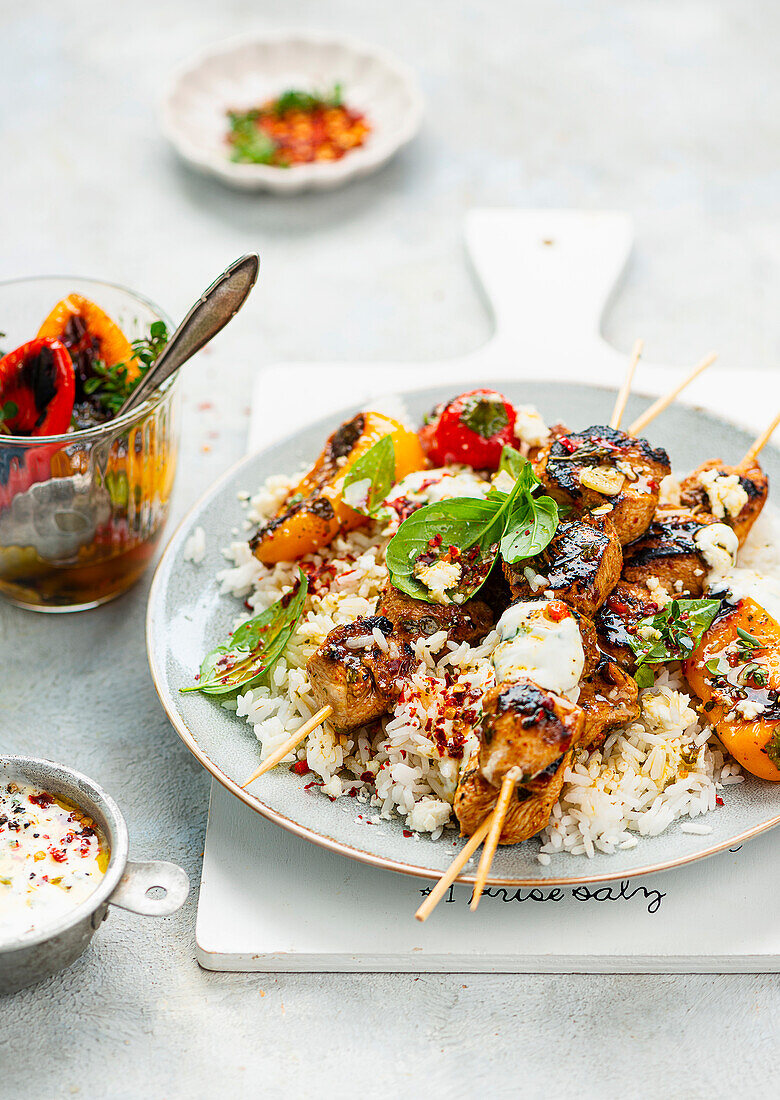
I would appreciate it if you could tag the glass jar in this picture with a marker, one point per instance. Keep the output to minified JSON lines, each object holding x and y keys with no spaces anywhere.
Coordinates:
{"x":82,"y":513}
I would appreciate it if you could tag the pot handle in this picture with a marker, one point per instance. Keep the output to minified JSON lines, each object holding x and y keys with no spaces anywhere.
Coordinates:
{"x":133,"y":891}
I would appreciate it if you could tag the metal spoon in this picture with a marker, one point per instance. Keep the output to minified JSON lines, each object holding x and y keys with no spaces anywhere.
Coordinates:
{"x":215,"y":307}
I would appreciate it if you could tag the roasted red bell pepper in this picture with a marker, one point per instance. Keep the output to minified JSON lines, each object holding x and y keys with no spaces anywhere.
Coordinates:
{"x":471,"y":429}
{"x":37,"y":389}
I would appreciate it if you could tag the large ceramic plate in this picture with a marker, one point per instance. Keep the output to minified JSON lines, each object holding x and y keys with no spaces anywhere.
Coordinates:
{"x":186,"y":614}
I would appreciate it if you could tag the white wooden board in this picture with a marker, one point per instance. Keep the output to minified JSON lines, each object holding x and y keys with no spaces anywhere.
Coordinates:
{"x":270,"y":901}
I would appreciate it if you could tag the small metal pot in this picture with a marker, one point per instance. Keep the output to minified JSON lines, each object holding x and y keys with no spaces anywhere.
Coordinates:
{"x":30,"y":958}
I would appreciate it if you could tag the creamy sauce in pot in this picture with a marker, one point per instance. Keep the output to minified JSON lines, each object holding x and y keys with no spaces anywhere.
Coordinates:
{"x":533,"y":644}
{"x":52,"y":857}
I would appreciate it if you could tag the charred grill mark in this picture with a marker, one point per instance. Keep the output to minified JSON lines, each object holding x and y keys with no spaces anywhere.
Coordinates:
{"x":344,"y":438}
{"x":38,"y":375}
{"x":533,"y":707}
{"x":666,"y":539}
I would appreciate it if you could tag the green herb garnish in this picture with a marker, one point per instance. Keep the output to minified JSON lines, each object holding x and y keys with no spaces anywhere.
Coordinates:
{"x":772,"y":748}
{"x":484,"y":416}
{"x":471,"y":531}
{"x":672,"y":635}
{"x":111,"y":386}
{"x":7,"y":412}
{"x":254,"y":648}
{"x":251,"y":144}
{"x":376,"y":467}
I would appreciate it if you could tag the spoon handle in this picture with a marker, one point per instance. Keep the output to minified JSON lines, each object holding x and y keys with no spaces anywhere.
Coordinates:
{"x":215,"y":307}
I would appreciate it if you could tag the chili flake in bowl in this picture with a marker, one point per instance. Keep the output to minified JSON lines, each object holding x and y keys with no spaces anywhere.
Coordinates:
{"x":296,"y":128}
{"x":52,"y":857}
{"x":227,"y":113}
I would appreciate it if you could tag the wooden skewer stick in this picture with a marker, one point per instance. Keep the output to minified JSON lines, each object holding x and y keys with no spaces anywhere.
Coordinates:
{"x":664,"y":402}
{"x":496,"y":825}
{"x":452,"y":872}
{"x":759,"y":445}
{"x":625,"y":389}
{"x":291,"y":743}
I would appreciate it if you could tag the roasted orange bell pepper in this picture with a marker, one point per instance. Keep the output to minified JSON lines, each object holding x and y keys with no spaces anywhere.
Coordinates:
{"x":741,"y":672}
{"x":315,"y":512}
{"x":86,"y":330}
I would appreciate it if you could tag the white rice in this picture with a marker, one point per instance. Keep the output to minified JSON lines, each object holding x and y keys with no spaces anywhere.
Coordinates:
{"x":195,"y":546}
{"x":664,"y":767}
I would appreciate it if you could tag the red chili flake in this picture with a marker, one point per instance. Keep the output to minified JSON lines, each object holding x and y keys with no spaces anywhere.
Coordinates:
{"x":568,"y":445}
{"x":718,"y":801}
{"x":300,"y":767}
{"x":454,"y":552}
{"x":408,"y":832}
{"x":43,"y":800}
{"x":557,"y":611}
{"x":435,"y":542}
{"x":353,"y":793}
{"x":367,"y":777}
{"x":653,"y":484}
{"x":313,"y":783}
{"x":59,"y":855}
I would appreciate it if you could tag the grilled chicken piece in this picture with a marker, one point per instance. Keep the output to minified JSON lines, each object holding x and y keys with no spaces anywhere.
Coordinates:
{"x":524,"y":726}
{"x":617,"y":617}
{"x":358,"y":677}
{"x":529,"y":808}
{"x":706,"y":493}
{"x":357,"y":680}
{"x":581,"y":565}
{"x":466,"y":622}
{"x":668,"y":552}
{"x":602,"y":467}
{"x":609,"y":698}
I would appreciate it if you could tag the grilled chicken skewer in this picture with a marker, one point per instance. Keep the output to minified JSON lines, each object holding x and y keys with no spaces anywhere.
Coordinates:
{"x":355,"y":673}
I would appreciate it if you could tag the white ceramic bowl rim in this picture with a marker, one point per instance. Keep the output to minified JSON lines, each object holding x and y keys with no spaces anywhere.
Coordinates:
{"x":295,"y":178}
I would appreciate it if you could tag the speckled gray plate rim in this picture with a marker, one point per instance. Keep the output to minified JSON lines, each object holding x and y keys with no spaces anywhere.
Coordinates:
{"x":187,"y":614}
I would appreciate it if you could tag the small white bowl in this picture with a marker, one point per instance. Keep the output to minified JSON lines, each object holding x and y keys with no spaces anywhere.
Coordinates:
{"x":244,"y":73}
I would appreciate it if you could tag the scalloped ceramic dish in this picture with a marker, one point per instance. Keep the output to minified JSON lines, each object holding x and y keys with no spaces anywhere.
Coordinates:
{"x":187,"y":613}
{"x":245,"y":73}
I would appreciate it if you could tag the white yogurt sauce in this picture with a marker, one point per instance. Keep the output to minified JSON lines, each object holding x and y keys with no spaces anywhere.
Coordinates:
{"x":532,"y":644}
{"x":51,"y":859}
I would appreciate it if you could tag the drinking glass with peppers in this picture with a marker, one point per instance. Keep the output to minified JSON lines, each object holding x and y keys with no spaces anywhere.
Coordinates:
{"x":83,"y":498}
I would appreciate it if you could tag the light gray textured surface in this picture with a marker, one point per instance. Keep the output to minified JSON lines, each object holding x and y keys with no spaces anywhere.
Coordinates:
{"x":669,"y":110}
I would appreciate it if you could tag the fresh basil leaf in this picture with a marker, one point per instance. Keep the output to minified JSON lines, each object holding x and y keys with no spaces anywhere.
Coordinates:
{"x":678,"y":630}
{"x":644,"y":677}
{"x":254,"y":647}
{"x":532,"y":524}
{"x":512,"y":461}
{"x":463,"y":522}
{"x":376,"y":466}
{"x":484,"y":416}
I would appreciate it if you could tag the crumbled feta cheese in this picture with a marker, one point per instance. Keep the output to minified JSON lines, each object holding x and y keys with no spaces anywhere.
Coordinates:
{"x":438,"y":577}
{"x":718,"y":545}
{"x":428,"y":815}
{"x":530,"y":427}
{"x":661,"y":598}
{"x":726,"y":495}
{"x":356,"y":495}
{"x":649,"y":633}
{"x":749,"y":709}
{"x":669,"y":495}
